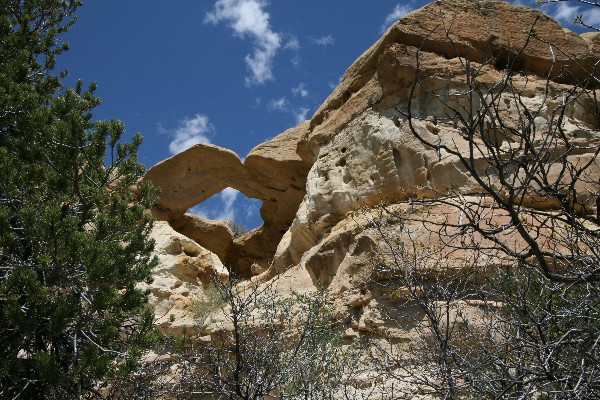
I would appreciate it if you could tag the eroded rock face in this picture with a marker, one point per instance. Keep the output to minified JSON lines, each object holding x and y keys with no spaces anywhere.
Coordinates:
{"x":194,"y":175}
{"x":214,"y":235}
{"x":479,"y":31}
{"x":272,"y":172}
{"x":184,"y":270}
{"x":363,"y":148}
{"x":320,"y":183}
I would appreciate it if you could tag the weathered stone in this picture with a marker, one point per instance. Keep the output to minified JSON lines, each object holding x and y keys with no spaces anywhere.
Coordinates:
{"x":272,"y":172}
{"x":322,"y":182}
{"x":194,"y":175}
{"x":213,"y":235}
{"x":480,"y":31}
{"x":183,"y":270}
{"x":363,"y":149}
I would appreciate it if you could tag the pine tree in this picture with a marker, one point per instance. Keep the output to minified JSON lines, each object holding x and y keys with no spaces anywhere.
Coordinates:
{"x":73,"y":234}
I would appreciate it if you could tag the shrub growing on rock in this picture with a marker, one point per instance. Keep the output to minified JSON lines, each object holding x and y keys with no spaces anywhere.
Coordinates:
{"x":270,"y":344}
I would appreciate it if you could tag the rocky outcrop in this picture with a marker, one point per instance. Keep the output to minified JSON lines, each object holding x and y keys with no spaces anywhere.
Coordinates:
{"x":214,"y":235}
{"x":184,"y":270}
{"x":194,"y":175}
{"x":272,"y":172}
{"x":496,"y":33}
{"x":362,"y":147}
{"x":321,"y":182}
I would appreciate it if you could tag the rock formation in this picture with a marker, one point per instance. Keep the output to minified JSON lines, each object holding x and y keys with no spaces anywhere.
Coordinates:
{"x":272,"y":172}
{"x":361,"y":148}
{"x":320,"y":183}
{"x":184,"y":269}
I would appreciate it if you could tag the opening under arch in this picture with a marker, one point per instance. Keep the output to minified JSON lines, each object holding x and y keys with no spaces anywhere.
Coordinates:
{"x":230,"y":205}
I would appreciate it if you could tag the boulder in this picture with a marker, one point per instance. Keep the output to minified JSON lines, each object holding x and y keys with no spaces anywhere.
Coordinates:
{"x":214,"y":235}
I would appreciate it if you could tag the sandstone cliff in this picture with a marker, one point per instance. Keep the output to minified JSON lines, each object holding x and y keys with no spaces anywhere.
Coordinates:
{"x":321,"y":183}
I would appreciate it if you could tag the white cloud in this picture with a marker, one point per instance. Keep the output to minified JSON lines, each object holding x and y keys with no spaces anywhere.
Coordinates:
{"x":300,"y":90}
{"x":252,"y":206}
{"x":399,"y":11}
{"x":333,"y":85}
{"x":566,"y":13}
{"x":300,"y":114}
{"x":225,"y":211}
{"x":279,"y":104}
{"x":191,"y":131}
{"x":284,"y":106}
{"x":296,"y":61}
{"x":592,"y":17}
{"x":324,"y":40}
{"x":227,"y":197}
{"x":199,"y":211}
{"x":248,"y":18}
{"x":292,"y":44}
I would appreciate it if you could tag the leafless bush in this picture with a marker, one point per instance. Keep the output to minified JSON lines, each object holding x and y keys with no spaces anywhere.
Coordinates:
{"x":531,"y":232}
{"x":283,"y":347}
{"x":263,"y":344}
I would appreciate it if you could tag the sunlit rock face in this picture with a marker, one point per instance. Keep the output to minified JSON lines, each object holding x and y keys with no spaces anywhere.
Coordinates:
{"x":360,"y":142}
{"x":272,"y":172}
{"x":321,"y":182}
{"x":184,"y":269}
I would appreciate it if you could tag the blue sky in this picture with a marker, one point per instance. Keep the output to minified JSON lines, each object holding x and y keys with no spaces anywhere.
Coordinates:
{"x":229,"y":72}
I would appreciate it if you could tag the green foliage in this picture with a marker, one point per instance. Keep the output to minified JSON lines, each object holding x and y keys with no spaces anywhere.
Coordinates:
{"x":73,"y":236}
{"x":208,"y":303}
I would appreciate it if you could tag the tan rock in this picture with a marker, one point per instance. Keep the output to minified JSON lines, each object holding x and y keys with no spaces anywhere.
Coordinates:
{"x":258,"y":269}
{"x":165,"y":358}
{"x":213,"y":235}
{"x":203,"y":339}
{"x":275,"y":164}
{"x":184,"y":269}
{"x":479,"y":30}
{"x":364,"y":152}
{"x":321,"y":182}
{"x":272,"y":172}
{"x":150,"y":358}
{"x":351,"y":334}
{"x":593,"y":40}
{"x":194,"y":175}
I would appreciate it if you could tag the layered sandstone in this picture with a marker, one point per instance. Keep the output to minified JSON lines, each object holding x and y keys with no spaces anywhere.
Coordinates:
{"x":184,"y":269}
{"x":362,"y":146}
{"x":322,"y":182}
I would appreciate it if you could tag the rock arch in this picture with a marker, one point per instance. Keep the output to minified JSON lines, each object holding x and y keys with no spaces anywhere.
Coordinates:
{"x":272,"y":172}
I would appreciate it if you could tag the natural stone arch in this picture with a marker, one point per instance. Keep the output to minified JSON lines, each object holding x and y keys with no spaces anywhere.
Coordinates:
{"x":194,"y":175}
{"x":272,"y":172}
